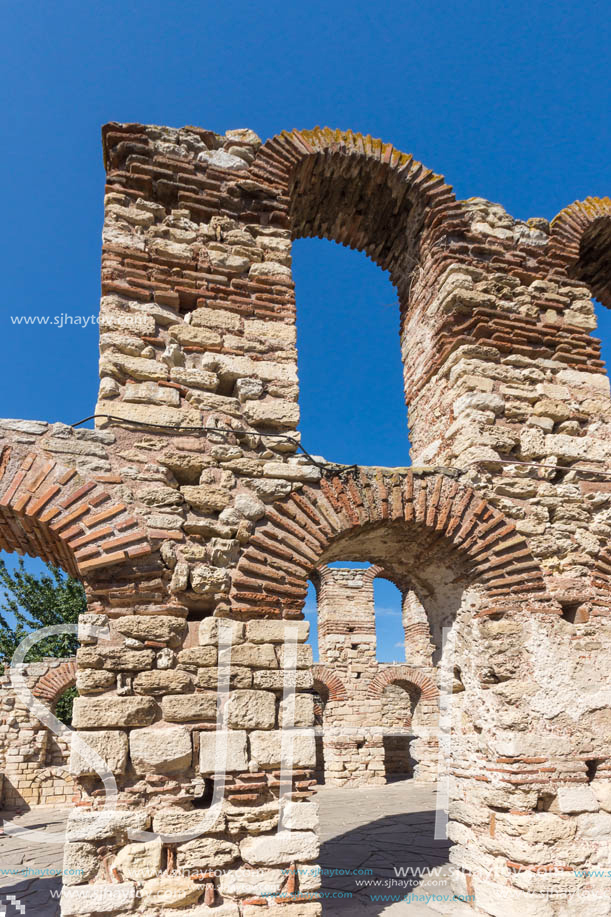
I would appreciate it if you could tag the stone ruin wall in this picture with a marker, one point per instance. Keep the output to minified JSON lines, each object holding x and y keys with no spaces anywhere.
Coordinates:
{"x":34,"y":762}
{"x":378,"y":719}
{"x":189,"y":505}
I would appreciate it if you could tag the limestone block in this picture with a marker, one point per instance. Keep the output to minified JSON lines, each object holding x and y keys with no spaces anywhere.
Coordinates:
{"x":251,"y":881}
{"x":292,"y":471}
{"x":151,"y":393}
{"x":177,"y":822}
{"x":207,"y":852}
{"x":252,"y":820}
{"x":280,"y":848}
{"x":573,"y":799}
{"x":228,"y":261}
{"x":301,"y":656}
{"x":239,"y":678}
{"x":602,"y":791}
{"x":87,"y":621}
{"x":164,"y":750}
{"x":163,"y":681}
{"x":251,"y":710}
{"x":260,"y":656}
{"x":106,"y":712}
{"x":111,"y":745}
{"x":300,"y":816}
{"x":92,"y":681}
{"x":269,"y":269}
{"x":206,"y":580}
{"x":216,"y":318}
{"x":116,"y":364}
{"x":80,"y":863}
{"x":275,"y":681}
{"x":479,"y":401}
{"x":209,"y":630}
{"x":198,"y":656}
{"x":272,"y":412}
{"x":248,"y":389}
{"x":596,"y":825}
{"x":181,"y":709}
{"x":139,"y":861}
{"x":266,"y":747}
{"x":162,"y":628}
{"x":572,"y":378}
{"x":190,"y":335}
{"x":170,"y":892}
{"x":149,"y":413}
{"x":97,"y":826}
{"x":276,"y":631}
{"x":303,"y":711}
{"x":206,"y":497}
{"x":501,"y":901}
{"x":115,"y":658}
{"x":574,"y":447}
{"x":101,"y":898}
{"x":222,"y":160}
{"x":195,"y":378}
{"x":236,"y":759}
{"x":250,"y":506}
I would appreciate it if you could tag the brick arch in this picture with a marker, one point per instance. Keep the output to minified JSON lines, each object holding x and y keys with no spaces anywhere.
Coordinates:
{"x":332,"y":178}
{"x":331,"y":680}
{"x":394,"y":674}
{"x":581,"y":239}
{"x":50,"y":511}
{"x":52,"y":685}
{"x":288,"y":543}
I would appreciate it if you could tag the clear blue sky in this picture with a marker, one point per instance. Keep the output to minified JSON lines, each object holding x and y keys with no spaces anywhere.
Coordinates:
{"x":510,"y":102}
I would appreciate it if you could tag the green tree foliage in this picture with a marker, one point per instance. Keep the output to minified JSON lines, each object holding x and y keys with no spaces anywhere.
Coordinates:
{"x":63,"y":707}
{"x":36,"y":601}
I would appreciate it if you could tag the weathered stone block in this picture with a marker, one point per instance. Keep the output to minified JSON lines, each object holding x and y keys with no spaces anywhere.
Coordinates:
{"x":266,"y":748}
{"x":101,"y":898}
{"x":281,"y":848}
{"x":260,"y":656}
{"x":162,"y":750}
{"x":207,"y":852}
{"x":164,"y":681}
{"x":277,"y":631}
{"x":161,"y":628}
{"x":179,"y":709}
{"x":106,"y":712}
{"x":235,"y":744}
{"x":251,"y":710}
{"x":139,"y":861}
{"x":111,"y":745}
{"x":198,"y":656}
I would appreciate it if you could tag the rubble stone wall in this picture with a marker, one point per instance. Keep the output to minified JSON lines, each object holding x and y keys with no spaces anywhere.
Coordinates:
{"x":189,"y":505}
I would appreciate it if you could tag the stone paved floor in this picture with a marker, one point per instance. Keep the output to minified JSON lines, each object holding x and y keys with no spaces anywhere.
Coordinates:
{"x":362,"y":829}
{"x":378,"y":829}
{"x":37,"y":893}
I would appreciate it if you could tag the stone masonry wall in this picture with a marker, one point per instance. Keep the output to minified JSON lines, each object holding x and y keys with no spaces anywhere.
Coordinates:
{"x":190,"y":505}
{"x":33,"y":760}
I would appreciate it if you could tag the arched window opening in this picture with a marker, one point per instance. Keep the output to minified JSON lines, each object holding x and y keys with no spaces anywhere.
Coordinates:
{"x":400,"y":708}
{"x":35,"y":595}
{"x":390,"y":636}
{"x":351,"y":381}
